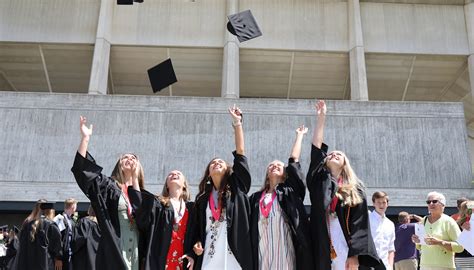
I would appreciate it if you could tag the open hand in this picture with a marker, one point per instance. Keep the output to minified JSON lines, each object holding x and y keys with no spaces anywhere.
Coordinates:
{"x":415,"y":239}
{"x":86,"y":132}
{"x":352,"y":263}
{"x":320,"y":107}
{"x":301,"y":130}
{"x":466,"y":226}
{"x":236,"y":113}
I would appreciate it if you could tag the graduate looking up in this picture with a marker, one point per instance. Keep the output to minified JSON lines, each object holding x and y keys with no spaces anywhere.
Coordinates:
{"x":339,"y":214}
{"x":118,"y":246}
{"x":169,"y":221}
{"x":223,"y":209}
{"x":279,"y":223}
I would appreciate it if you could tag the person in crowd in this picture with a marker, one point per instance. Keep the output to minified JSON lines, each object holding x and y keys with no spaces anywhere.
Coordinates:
{"x":339,"y":214}
{"x":85,"y":242}
{"x":40,"y":240}
{"x":383,"y":230}
{"x":169,"y":221}
{"x":406,"y":255}
{"x":223,"y":209}
{"x":459,"y":201}
{"x":279,"y":223}
{"x":464,"y":260}
{"x":119,"y":243}
{"x":12,"y":245}
{"x":66,"y":226}
{"x":437,"y":251}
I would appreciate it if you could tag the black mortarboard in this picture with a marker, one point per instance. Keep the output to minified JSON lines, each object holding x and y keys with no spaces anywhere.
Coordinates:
{"x":128,"y":2}
{"x":243,"y":25}
{"x":47,"y":205}
{"x":162,"y":75}
{"x":16,"y":230}
{"x":4,"y":228}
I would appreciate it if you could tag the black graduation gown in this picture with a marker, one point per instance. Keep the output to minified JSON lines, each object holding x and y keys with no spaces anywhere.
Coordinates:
{"x":84,"y":244}
{"x":237,"y":215}
{"x":290,"y":196}
{"x":104,"y":195}
{"x":40,"y":253}
{"x":68,"y":231}
{"x":12,"y":249}
{"x":156,"y":221}
{"x":356,"y":231}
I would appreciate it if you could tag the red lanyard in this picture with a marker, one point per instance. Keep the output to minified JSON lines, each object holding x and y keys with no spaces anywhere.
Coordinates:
{"x":216,"y":211}
{"x":265,"y":209}
{"x":335,"y":199}
{"x":127,"y":200}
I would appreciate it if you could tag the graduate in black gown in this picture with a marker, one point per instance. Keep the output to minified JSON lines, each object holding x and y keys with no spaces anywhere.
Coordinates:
{"x":279,"y":222}
{"x":339,"y":214}
{"x":85,"y":242}
{"x":12,"y":245}
{"x":169,"y":221}
{"x":119,"y":243}
{"x":40,"y":241}
{"x":223,"y":209}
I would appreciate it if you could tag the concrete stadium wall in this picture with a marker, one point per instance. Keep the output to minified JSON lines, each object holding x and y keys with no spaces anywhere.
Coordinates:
{"x":56,"y":21}
{"x":319,"y":25}
{"x":406,"y":149}
{"x":425,"y":29}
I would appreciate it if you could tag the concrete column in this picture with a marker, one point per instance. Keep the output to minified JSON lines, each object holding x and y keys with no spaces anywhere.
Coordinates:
{"x":469,"y":14}
{"x":100,"y":61}
{"x":359,"y":90}
{"x":230,"y":66}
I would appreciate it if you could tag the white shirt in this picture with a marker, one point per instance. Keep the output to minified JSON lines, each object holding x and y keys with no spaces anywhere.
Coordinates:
{"x":383,"y":234}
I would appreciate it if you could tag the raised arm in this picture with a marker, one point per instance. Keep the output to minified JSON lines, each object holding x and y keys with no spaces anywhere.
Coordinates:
{"x":86,"y":133}
{"x":296,"y":149}
{"x":318,"y":133}
{"x":236,"y":114}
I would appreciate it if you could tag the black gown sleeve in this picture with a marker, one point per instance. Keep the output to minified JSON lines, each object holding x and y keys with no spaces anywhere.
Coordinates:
{"x":54,"y":241}
{"x":295,"y":178}
{"x":143,"y":204}
{"x":359,"y":232}
{"x":80,"y":235}
{"x":87,"y":172}
{"x":241,"y":179}
{"x":317,"y":163}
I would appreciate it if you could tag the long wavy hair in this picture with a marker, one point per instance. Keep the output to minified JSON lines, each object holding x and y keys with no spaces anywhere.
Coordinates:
{"x":35,"y":213}
{"x":165,"y":193}
{"x":48,"y":214}
{"x":206,"y":184}
{"x":350,"y":192}
{"x":266,"y":182}
{"x":119,"y":176}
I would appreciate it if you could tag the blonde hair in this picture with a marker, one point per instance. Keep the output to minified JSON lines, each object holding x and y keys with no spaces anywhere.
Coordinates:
{"x":118,"y":175}
{"x":349,"y":193}
{"x":165,"y":194}
{"x":68,"y":203}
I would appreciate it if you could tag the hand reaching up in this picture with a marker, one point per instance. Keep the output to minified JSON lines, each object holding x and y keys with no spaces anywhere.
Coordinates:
{"x":236,"y":114}
{"x":301,"y":130}
{"x":320,"y":107}
{"x":86,"y":132}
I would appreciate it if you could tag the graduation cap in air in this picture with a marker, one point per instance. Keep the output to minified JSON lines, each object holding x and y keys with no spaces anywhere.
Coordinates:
{"x":243,"y":25}
{"x":128,"y":2}
{"x":47,"y":205}
{"x":162,"y":75}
